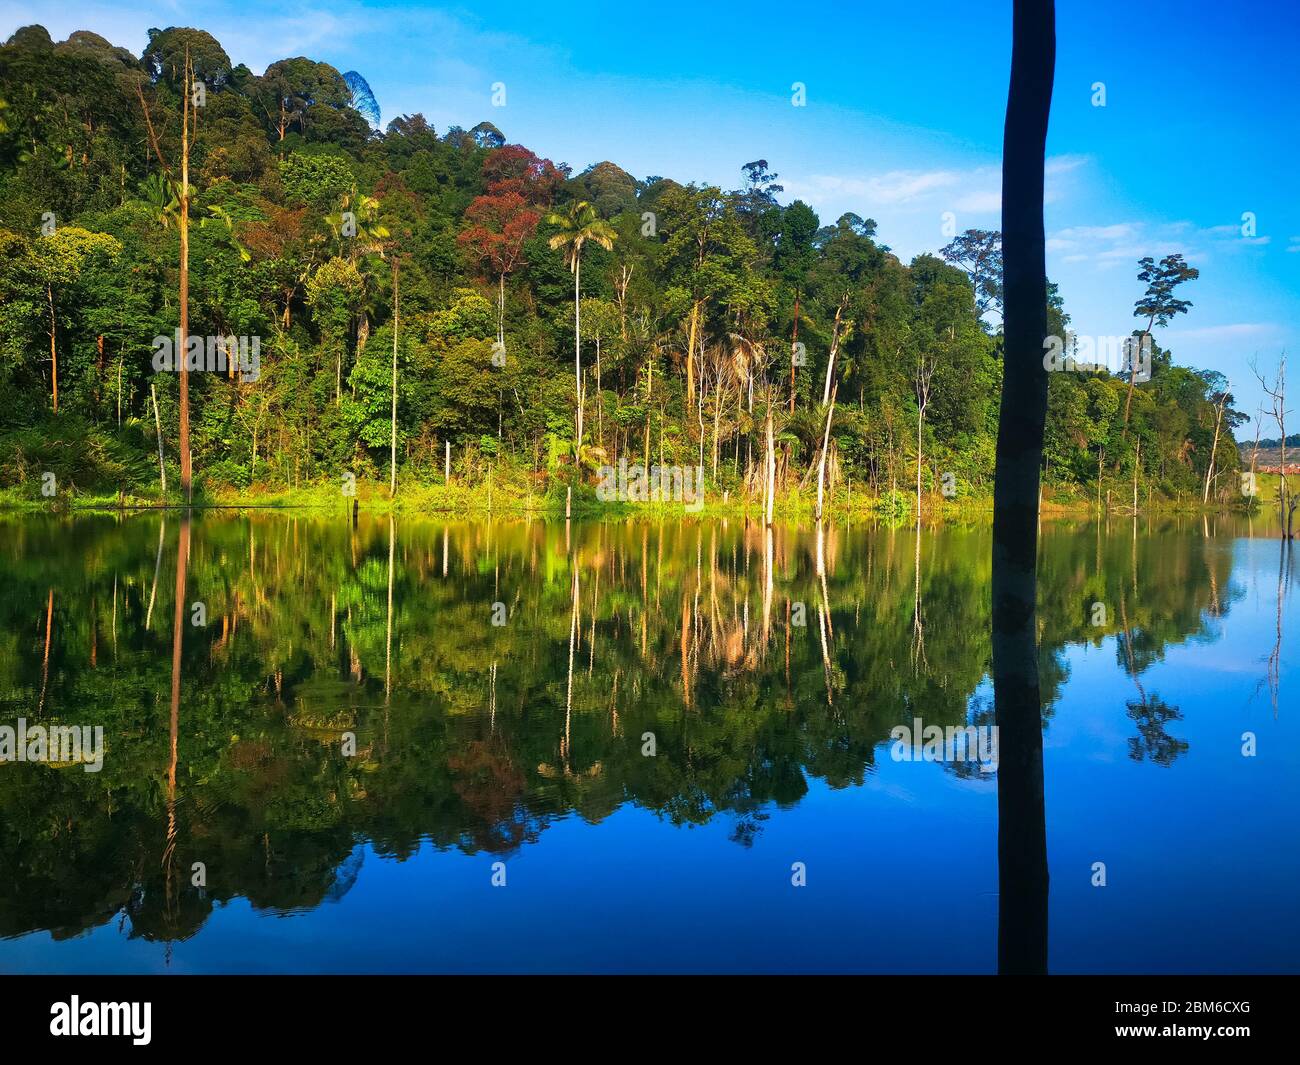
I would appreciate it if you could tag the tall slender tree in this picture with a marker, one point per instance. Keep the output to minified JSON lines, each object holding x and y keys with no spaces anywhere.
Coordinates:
{"x":392,"y":475}
{"x":579,"y":224}
{"x":181,"y":214}
{"x":1158,"y":306}
{"x":1022,"y":835}
{"x":499,"y":225}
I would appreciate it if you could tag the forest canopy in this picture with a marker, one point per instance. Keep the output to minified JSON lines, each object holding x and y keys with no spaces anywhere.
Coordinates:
{"x":698,"y":311}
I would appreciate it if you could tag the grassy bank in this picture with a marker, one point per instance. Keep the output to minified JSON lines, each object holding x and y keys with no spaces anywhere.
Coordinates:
{"x":477,"y":501}
{"x":81,"y":467}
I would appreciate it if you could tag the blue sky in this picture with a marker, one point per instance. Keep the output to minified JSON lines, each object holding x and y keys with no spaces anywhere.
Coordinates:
{"x":903,"y":120}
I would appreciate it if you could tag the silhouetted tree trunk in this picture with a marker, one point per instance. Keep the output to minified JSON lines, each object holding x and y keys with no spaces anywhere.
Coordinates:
{"x":1022,"y":834}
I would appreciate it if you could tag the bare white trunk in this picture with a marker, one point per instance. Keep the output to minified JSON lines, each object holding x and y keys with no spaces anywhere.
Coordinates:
{"x":157,"y":421}
{"x":821,"y":464}
{"x":769,"y":493}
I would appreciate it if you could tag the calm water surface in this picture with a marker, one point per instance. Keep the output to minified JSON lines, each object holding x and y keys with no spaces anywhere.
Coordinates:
{"x":770,"y":689}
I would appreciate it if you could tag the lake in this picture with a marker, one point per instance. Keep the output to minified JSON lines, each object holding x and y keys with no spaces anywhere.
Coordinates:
{"x":626,"y":746}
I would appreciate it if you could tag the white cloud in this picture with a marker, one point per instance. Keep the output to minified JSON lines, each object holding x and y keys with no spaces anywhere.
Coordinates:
{"x":973,"y":190}
{"x":1107,"y":245}
{"x":980,"y":202}
{"x":893,"y":187}
{"x":1063,"y":164}
{"x":1224,"y":333}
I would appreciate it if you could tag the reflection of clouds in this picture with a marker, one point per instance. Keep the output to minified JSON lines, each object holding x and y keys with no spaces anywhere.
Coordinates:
{"x":874,"y":782}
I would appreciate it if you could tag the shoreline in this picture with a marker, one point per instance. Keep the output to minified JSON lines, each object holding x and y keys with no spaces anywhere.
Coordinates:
{"x":438,"y":500}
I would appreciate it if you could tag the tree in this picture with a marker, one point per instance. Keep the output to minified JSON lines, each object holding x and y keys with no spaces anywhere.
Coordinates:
{"x":691,"y":313}
{"x":579,"y":224}
{"x":318,"y":181}
{"x":392,"y":483}
{"x":599,"y":321}
{"x":979,"y":253}
{"x":757,"y":200}
{"x":707,"y":255}
{"x":486,"y":135}
{"x":1220,"y":398}
{"x":513,"y":168}
{"x":793,"y":257}
{"x":828,"y":400}
{"x":189,"y":128}
{"x":926,"y":362}
{"x":290,"y":88}
{"x":356,"y":225}
{"x":333,"y":293}
{"x":1022,"y":839}
{"x":608,"y":188}
{"x":1287,"y":500}
{"x":179,"y":56}
{"x":60,"y":260}
{"x":1158,"y":306}
{"x":498,"y":227}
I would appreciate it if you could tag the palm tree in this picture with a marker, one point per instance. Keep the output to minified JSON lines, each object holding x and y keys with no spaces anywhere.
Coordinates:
{"x":357,"y":221}
{"x":578,"y":225}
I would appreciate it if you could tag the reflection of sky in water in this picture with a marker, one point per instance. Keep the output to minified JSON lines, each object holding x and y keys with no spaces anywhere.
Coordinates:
{"x":1201,"y":860}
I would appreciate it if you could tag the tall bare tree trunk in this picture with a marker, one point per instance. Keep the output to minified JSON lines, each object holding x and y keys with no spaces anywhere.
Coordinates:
{"x":1214,"y":449}
{"x":178,"y":630}
{"x":388,"y":639}
{"x":920,"y":420}
{"x":794,"y":346}
{"x":392,"y":461}
{"x":718,"y":397}
{"x":157,"y":422}
{"x":1132,"y":370}
{"x":649,"y":382}
{"x":690,"y":351}
{"x":1022,"y":833}
{"x":821,"y":464}
{"x":769,"y":467}
{"x":1137,"y":465}
{"x":45,"y":661}
{"x":54,"y":354}
{"x":577,"y":356}
{"x":187,"y":473}
{"x":501,"y":310}
{"x":835,"y":344}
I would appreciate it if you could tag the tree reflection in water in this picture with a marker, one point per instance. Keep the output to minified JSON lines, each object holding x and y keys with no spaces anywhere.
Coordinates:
{"x":760,"y":659}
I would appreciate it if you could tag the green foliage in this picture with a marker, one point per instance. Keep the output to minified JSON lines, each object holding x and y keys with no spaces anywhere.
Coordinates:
{"x":299,"y":213}
{"x":484,"y":741}
{"x":316,"y":181}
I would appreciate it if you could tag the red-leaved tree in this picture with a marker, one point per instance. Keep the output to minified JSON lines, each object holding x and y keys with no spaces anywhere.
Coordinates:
{"x":499,"y":225}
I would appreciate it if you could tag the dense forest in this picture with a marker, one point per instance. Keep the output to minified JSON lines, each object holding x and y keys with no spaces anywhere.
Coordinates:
{"x":420,"y":308}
